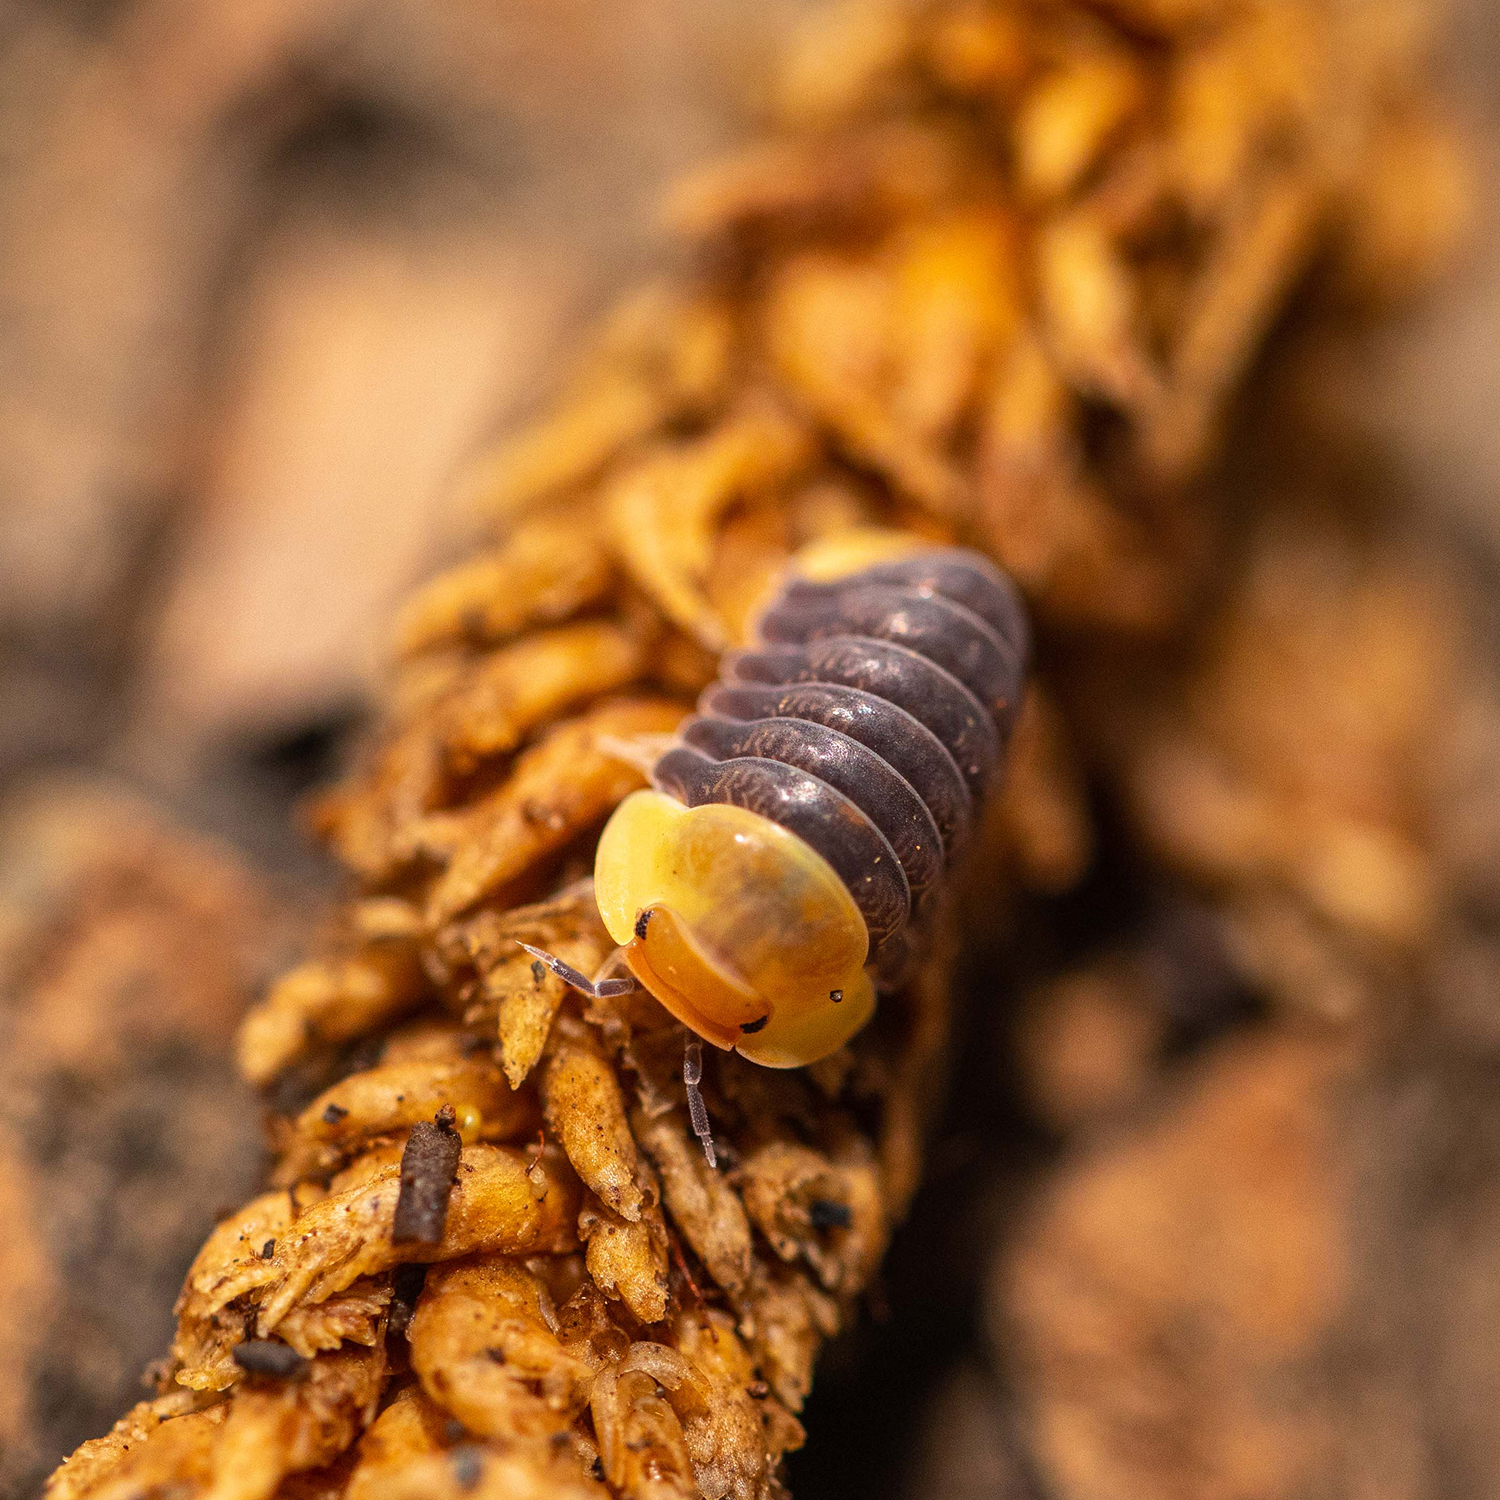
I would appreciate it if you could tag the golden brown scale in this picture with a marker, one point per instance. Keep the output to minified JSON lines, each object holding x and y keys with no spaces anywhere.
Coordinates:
{"x":512,"y":996}
{"x":628,"y":1259}
{"x":278,"y":1428}
{"x":158,"y":1443}
{"x":239,"y":1450}
{"x":206,"y":1334}
{"x":509,"y":1475}
{"x":203,"y":1353}
{"x":707,"y":1212}
{"x":329,"y":1000}
{"x":696,"y":483}
{"x":586,"y":1111}
{"x":482,"y":1472}
{"x":822,"y":1209}
{"x":533,"y":683}
{"x":394,"y":1097}
{"x":641,"y":1443}
{"x":559,"y":789}
{"x":785,"y":1319}
{"x":501,"y":1200}
{"x":540,"y":574}
{"x":426,"y":1039}
{"x":736,"y":1453}
{"x":483,"y":1348}
{"x":621,"y":1223}
{"x":355,"y":1316}
{"x":327,"y":1483}
{"x":408,"y":1430}
{"x":366,"y":1167}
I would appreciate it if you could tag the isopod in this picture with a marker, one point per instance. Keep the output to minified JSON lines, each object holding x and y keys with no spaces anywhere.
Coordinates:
{"x":773,"y":878}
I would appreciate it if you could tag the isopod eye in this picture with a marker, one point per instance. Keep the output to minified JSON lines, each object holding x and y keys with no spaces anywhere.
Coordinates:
{"x":737,"y":926}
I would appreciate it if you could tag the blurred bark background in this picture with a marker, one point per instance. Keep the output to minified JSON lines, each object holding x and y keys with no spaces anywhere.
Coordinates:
{"x":273,"y":268}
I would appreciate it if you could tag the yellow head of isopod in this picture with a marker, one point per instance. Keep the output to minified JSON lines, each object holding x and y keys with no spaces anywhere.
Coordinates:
{"x":743,"y":931}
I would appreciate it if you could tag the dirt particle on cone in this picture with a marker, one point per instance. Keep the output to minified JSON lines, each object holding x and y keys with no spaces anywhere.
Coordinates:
{"x":428,"y":1167}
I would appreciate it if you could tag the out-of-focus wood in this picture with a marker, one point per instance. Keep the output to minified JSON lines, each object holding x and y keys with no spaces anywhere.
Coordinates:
{"x":128,"y":949}
{"x":275,"y":268}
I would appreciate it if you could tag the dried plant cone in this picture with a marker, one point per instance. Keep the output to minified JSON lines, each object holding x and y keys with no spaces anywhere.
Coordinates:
{"x":995,"y":280}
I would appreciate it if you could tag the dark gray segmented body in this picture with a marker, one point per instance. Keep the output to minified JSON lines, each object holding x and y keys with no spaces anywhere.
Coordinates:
{"x":870,"y":721}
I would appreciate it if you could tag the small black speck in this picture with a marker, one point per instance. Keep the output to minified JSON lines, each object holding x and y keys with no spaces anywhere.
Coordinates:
{"x":268,"y":1250}
{"x":267,"y":1357}
{"x":334,"y":1113}
{"x":835,"y":995}
{"x":454,"y":1431}
{"x":824,"y":1213}
{"x":538,"y":969}
{"x":749,"y":1026}
{"x":406,"y":1287}
{"x":641,"y":922}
